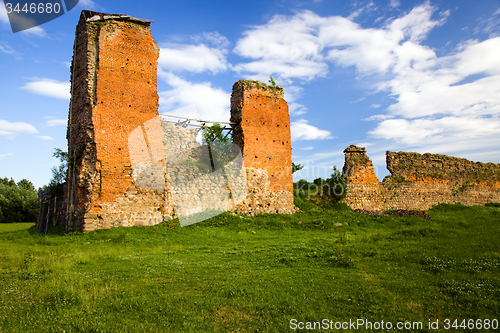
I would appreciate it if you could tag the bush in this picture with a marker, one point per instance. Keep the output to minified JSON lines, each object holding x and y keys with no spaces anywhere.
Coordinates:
{"x":493,"y":204}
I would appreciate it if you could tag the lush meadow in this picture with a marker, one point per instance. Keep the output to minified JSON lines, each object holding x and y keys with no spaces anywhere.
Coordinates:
{"x":255,"y":274}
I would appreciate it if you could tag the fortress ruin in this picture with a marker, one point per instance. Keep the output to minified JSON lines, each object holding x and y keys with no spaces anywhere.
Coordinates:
{"x":124,"y":162}
{"x":128,"y":168}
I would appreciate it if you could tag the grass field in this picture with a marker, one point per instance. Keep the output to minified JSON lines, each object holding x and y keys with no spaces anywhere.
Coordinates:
{"x":9,"y":227}
{"x":256,"y":274}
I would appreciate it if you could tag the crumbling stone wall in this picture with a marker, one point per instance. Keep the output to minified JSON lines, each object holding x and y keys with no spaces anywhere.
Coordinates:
{"x":125,"y":163}
{"x":418,"y":181}
{"x":262,"y":131}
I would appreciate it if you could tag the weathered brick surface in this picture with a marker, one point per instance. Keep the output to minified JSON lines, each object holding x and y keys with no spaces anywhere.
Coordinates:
{"x":113,"y":93}
{"x":419,"y":181}
{"x":262,"y":131}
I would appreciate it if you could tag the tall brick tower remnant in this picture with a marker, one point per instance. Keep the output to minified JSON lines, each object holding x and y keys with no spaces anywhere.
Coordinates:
{"x":113,"y":86}
{"x":262,"y":130}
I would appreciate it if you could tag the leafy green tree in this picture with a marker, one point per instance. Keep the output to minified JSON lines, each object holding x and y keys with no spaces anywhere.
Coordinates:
{"x":59,"y":173}
{"x":220,"y":146}
{"x":18,"y":202}
{"x":337,"y":185}
{"x":214,"y":133}
{"x":333,"y":189}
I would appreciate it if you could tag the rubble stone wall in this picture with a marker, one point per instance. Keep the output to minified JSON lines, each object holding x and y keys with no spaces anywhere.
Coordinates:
{"x":418,"y":181}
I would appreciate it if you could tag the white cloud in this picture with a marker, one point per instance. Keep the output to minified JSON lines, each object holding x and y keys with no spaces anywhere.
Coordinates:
{"x":214,"y":39}
{"x":490,"y":25}
{"x":378,"y":117}
{"x":45,"y":137}
{"x":35,"y":31}
{"x":296,"y":109}
{"x":394,"y":3}
{"x":311,"y":40}
{"x":374,"y":51}
{"x":375,"y":106}
{"x":6,"y":48}
{"x":453,"y":130}
{"x":56,"y":122}
{"x":292,"y":93}
{"x":10,"y":130}
{"x":439,"y":89}
{"x":49,"y":87}
{"x":194,"y":100}
{"x":294,"y":54}
{"x":301,"y":130}
{"x":307,"y":148}
{"x":2,"y":156}
{"x":207,"y":54}
{"x":192,"y":58}
{"x":369,"y":7}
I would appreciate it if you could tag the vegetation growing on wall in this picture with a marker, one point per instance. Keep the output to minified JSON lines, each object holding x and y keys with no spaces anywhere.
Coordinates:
{"x":458,"y":171}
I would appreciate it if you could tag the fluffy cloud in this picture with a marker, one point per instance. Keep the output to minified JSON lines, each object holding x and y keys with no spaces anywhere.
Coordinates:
{"x":449,"y":133}
{"x":301,"y":130}
{"x":294,"y":54}
{"x":10,"y":130}
{"x":193,"y":100}
{"x":312,"y":41}
{"x":207,"y":55}
{"x":50,"y":88}
{"x":192,"y":58}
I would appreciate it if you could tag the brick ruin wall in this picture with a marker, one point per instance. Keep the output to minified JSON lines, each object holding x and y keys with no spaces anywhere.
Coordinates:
{"x":418,"y":181}
{"x":121,"y":155}
{"x":262,"y":131}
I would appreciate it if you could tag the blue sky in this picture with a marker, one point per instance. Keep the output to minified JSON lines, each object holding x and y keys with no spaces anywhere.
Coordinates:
{"x":393,"y":75}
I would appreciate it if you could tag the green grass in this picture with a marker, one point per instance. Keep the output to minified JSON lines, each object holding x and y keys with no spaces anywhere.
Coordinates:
{"x":9,"y":227}
{"x":255,"y":274}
